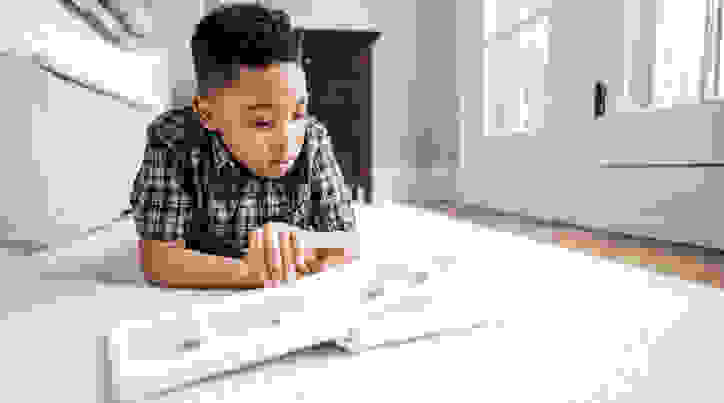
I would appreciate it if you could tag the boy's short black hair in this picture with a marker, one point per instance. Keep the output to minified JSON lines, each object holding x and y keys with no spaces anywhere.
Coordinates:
{"x":238,"y":35}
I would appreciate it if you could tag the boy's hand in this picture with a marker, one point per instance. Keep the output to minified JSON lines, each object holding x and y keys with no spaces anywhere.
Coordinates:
{"x":267,"y":246}
{"x":305,"y":260}
{"x":277,"y":249}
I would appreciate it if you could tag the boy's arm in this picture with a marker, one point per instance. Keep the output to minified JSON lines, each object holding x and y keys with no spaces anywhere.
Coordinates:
{"x":162,"y":205}
{"x":170,"y":264}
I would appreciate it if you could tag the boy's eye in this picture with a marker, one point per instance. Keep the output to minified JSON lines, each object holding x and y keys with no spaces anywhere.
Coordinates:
{"x":265,"y":124}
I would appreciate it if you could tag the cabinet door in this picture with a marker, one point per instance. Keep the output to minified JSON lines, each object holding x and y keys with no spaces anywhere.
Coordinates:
{"x":338,"y":66}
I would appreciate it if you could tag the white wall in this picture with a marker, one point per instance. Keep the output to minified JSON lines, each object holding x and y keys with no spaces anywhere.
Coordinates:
{"x":432,"y":141}
{"x":174,"y":30}
{"x":52,"y":191}
{"x":68,"y":157}
{"x":324,"y":13}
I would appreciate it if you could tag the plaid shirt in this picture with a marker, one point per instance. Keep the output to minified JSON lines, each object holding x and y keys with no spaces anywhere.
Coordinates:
{"x":190,"y":187}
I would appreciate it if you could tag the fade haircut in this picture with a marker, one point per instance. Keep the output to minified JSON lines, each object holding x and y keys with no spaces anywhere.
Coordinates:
{"x":241,"y":35}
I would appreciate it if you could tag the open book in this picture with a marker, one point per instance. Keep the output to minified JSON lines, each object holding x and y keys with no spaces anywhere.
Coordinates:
{"x":354,"y":307}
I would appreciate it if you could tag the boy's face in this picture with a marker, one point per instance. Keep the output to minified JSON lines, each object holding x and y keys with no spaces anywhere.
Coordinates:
{"x":261,"y":117}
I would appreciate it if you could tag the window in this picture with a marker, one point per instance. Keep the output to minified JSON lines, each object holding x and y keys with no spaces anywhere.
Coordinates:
{"x":712,"y":85}
{"x":672,"y":46}
{"x":514,"y":76}
{"x":680,"y":43}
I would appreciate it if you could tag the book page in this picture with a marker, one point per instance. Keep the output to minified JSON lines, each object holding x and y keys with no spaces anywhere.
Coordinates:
{"x":211,"y":334}
{"x":431,"y":303}
{"x":207,"y":335}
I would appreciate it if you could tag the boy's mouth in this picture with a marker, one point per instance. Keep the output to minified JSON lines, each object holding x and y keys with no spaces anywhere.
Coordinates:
{"x":282,"y":163}
{"x":286,"y":162}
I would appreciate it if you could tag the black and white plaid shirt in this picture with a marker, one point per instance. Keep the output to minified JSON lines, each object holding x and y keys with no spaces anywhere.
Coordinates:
{"x":190,"y":187}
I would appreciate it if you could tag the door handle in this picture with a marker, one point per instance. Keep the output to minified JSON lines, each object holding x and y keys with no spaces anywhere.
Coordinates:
{"x":600,"y":99}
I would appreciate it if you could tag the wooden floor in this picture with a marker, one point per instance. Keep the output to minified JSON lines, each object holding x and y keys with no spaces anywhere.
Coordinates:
{"x":688,"y":262}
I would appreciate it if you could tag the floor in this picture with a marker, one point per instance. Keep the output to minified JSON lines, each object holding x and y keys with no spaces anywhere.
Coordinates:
{"x":688,"y":262}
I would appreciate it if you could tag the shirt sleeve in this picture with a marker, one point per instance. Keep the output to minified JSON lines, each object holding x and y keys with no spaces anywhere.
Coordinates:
{"x":160,"y":204}
{"x":334,"y":197}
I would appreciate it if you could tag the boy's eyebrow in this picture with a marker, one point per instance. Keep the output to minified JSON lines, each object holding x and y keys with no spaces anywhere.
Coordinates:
{"x":301,"y":100}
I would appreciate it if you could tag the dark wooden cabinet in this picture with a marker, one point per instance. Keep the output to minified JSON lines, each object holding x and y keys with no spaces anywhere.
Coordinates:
{"x":339,"y":69}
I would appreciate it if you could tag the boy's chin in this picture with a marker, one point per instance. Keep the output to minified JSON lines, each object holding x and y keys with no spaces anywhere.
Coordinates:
{"x":274,"y":171}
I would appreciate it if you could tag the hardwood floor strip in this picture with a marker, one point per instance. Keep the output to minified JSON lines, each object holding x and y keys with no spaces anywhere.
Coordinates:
{"x":688,"y":267}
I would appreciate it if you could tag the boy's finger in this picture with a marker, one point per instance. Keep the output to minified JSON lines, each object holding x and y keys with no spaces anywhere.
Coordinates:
{"x":287,"y":254}
{"x":299,"y":254}
{"x":318,"y":265}
{"x":316,"y":260}
{"x":252,"y":241}
{"x":322,"y":258}
{"x":273,"y":258}
{"x":255,"y":256}
{"x":277,"y":263}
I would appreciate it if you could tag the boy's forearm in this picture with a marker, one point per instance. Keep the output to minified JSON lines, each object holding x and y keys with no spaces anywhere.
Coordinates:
{"x":190,"y":269}
{"x":185,"y":268}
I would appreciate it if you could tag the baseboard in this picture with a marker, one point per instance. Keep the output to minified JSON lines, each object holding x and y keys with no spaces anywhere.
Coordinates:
{"x":464,"y":210}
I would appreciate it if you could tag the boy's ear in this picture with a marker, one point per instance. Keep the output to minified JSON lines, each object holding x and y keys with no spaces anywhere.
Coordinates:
{"x":202,"y":109}
{"x":199,"y":105}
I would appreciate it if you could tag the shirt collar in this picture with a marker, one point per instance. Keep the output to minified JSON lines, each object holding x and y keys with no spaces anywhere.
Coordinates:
{"x":222,"y":155}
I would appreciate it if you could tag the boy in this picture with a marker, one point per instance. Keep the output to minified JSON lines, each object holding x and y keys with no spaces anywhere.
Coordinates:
{"x":221,"y":176}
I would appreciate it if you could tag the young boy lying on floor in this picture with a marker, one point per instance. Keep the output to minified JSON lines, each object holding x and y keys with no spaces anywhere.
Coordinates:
{"x":220,"y":177}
